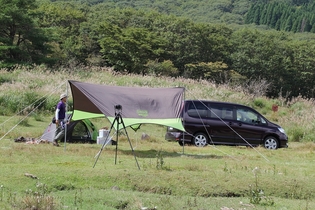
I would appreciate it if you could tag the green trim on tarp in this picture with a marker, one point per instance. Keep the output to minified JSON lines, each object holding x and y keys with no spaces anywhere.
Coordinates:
{"x":135,"y":127}
{"x":79,"y":115}
{"x":175,"y":122}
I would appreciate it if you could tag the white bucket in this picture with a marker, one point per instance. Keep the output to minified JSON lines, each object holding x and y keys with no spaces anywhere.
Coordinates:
{"x":103,"y":133}
{"x":102,"y":140}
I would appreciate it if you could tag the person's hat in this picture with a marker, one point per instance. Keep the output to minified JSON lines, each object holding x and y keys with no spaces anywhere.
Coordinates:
{"x":63,"y":96}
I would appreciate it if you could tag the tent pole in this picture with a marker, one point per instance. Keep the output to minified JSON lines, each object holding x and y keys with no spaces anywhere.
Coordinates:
{"x":66,"y":123}
{"x":183,"y":123}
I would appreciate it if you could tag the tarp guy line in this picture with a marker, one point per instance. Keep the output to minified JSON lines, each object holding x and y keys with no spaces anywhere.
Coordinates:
{"x":26,"y":115}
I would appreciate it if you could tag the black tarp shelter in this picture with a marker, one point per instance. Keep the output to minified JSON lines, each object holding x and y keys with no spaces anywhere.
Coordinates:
{"x":139,"y":104}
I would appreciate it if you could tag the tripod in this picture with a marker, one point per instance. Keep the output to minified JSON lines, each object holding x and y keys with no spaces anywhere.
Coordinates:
{"x":118,"y":119}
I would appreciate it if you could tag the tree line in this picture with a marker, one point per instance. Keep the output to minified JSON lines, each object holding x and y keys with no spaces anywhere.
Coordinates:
{"x":147,"y":42}
{"x":297,"y":16}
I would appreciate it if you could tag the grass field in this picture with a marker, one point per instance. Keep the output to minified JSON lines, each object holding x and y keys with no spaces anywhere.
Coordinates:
{"x":170,"y":176}
{"x":41,"y":176}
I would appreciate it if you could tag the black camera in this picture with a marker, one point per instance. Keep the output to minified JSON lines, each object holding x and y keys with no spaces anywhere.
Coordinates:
{"x":118,"y":107}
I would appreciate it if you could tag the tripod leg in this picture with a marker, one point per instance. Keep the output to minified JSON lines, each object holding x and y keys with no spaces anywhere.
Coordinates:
{"x":117,"y":129}
{"x":99,"y":153}
{"x":133,"y":152}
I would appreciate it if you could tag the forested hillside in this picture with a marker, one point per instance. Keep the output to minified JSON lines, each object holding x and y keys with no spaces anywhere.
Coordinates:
{"x":209,"y":11}
{"x":290,"y":14}
{"x":159,"y":40}
{"x":285,"y":16}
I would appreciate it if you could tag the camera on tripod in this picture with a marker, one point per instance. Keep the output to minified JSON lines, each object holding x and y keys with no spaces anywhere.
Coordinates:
{"x":118,"y":108}
{"x":117,"y":121}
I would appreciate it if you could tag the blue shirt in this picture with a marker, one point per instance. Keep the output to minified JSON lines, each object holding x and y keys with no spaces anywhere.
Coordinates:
{"x":62,"y":110}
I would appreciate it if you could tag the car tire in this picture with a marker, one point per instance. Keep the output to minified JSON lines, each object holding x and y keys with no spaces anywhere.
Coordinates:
{"x":200,"y":140}
{"x":271,"y":143}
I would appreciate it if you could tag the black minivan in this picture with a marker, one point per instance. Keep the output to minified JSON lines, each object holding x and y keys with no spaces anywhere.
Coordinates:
{"x":222,"y":123}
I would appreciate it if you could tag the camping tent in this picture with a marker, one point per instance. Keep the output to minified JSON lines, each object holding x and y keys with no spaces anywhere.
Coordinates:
{"x":139,"y":104}
{"x":82,"y":131}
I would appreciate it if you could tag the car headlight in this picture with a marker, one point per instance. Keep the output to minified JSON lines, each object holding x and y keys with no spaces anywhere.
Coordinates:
{"x":282,"y":130}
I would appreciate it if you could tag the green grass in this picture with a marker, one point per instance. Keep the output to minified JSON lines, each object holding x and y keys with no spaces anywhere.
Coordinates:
{"x":170,"y":176}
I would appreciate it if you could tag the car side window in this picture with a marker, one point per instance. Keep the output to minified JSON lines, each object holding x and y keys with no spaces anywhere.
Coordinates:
{"x":216,"y":112}
{"x":248,"y":116}
{"x":225,"y":113}
{"x":197,"y":109}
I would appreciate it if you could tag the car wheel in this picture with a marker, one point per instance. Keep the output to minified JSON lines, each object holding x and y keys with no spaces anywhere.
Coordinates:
{"x":271,"y":143}
{"x":200,"y":140}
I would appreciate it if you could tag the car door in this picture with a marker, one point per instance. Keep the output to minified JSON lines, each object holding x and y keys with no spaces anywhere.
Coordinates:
{"x":250,"y":127}
{"x":221,"y":117}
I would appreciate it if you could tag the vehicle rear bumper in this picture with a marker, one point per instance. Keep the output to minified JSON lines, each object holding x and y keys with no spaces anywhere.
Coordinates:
{"x":177,"y":136}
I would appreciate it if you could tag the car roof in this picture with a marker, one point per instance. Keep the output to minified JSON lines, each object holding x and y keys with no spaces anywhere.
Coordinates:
{"x":217,"y":102}
{"x":221,"y":102}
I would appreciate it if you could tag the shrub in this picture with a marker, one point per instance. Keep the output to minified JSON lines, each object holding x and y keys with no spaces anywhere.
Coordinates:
{"x":258,"y":102}
{"x":296,"y":134}
{"x":165,"y":68}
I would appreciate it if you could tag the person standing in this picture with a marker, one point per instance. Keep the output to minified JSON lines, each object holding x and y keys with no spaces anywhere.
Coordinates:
{"x":60,"y":116}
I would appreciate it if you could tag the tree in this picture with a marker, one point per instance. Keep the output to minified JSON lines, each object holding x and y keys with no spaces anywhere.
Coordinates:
{"x":289,"y":24}
{"x":191,"y":43}
{"x":64,"y":20}
{"x":129,"y":49}
{"x":287,"y":64}
{"x":21,"y":41}
{"x":165,"y":68}
{"x":217,"y":71}
{"x":262,"y":55}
